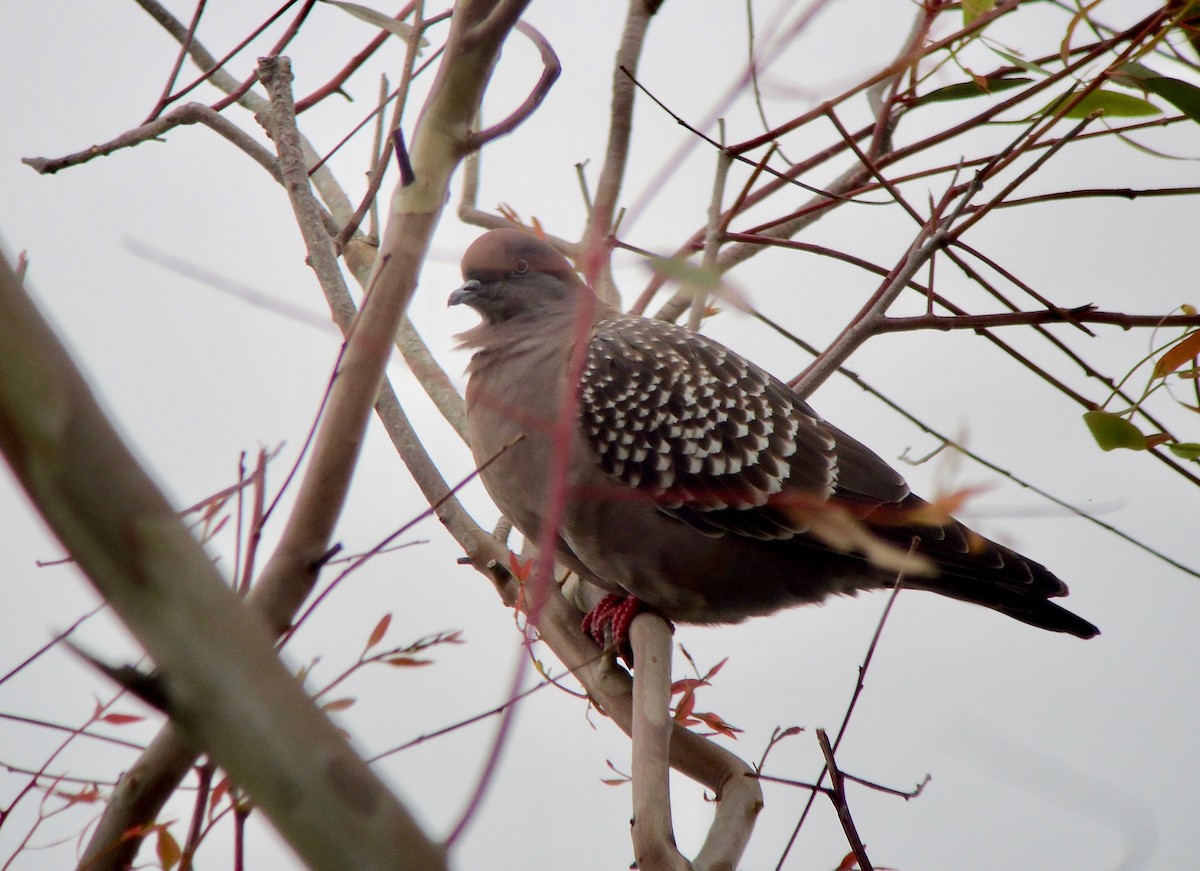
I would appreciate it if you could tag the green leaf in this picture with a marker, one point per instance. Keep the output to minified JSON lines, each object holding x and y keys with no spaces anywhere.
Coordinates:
{"x":1186,"y":450}
{"x":700,"y":280}
{"x":686,"y":273}
{"x":372,"y":16}
{"x":1183,"y":96}
{"x":1028,"y":66}
{"x":1111,"y":431}
{"x":972,"y":9}
{"x":1113,"y":103}
{"x":966,"y":90}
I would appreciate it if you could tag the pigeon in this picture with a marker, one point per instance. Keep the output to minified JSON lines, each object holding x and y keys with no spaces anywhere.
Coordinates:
{"x":697,"y":485}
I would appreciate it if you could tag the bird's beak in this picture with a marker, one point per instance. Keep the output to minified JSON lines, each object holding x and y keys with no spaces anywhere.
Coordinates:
{"x":464,"y":293}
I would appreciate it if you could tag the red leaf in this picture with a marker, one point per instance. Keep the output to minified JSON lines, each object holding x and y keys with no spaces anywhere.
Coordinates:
{"x":848,"y":863}
{"x":86,"y":795}
{"x":380,"y":629}
{"x":519,"y":569}
{"x":718,"y":725}
{"x":1175,"y":356}
{"x":683,"y":709}
{"x":712,"y":672}
{"x":121,"y":719}
{"x":687,"y":684}
{"x":407,"y":661}
{"x":337,"y":705}
{"x":219,"y":792}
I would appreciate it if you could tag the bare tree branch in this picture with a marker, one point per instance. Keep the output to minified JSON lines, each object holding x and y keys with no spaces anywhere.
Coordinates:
{"x":653,"y":834}
{"x":191,"y":113}
{"x":222,"y":681}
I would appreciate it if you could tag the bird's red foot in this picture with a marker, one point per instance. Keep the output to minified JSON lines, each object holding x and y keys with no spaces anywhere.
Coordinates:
{"x":608,"y":622}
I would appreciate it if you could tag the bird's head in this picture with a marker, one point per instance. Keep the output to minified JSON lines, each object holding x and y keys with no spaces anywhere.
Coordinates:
{"x":510,"y":273}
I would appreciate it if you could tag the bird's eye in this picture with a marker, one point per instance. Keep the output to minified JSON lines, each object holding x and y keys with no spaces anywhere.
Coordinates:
{"x":521,"y":267}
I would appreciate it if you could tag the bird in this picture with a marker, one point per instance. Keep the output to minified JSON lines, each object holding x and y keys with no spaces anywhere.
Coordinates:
{"x":697,"y":485}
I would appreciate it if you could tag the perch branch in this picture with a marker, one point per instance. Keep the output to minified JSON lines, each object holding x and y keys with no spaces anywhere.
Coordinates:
{"x":654,"y":846}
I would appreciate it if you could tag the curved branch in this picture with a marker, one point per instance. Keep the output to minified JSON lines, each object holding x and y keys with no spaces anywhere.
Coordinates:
{"x":551,"y":70}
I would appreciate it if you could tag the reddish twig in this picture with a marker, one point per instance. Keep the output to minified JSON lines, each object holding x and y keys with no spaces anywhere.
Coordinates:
{"x":551,"y":69}
{"x":1076,"y":315}
{"x":854,"y":697}
{"x":185,"y":44}
{"x":837,"y":794}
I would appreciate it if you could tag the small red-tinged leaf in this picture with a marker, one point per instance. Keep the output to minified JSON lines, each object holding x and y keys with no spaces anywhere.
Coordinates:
{"x":1179,"y":354}
{"x":379,"y":631}
{"x":621,"y":779}
{"x":302,"y":672}
{"x":519,"y":569}
{"x":1186,"y":450}
{"x":1111,"y":431}
{"x":219,"y":792}
{"x":337,"y":705}
{"x":683,"y":708}
{"x":407,"y":661}
{"x":1159,"y":438}
{"x":712,"y":672}
{"x":85,"y":795}
{"x":941,"y":509}
{"x":1113,"y":104}
{"x":121,"y":719}
{"x":168,"y":850}
{"x":687,"y":684}
{"x":718,"y":725}
{"x":848,"y":863}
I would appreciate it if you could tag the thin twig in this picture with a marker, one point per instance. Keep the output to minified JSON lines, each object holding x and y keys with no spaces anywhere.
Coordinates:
{"x":165,"y":99}
{"x":191,"y":113}
{"x":837,"y":794}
